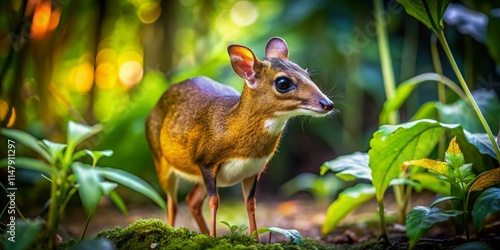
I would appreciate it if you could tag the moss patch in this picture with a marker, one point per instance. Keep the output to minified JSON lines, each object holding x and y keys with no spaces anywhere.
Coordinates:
{"x":155,"y":234}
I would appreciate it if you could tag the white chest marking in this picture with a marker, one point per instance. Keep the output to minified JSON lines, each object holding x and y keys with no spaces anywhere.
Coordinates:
{"x":235,"y":170}
{"x":275,"y":125}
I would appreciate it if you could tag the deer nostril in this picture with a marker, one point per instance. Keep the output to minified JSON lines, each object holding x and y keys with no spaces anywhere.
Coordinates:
{"x":326,"y":105}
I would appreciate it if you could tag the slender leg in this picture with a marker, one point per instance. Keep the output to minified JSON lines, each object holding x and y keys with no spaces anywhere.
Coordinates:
{"x":168,"y":181}
{"x":209,"y":178}
{"x":248,"y":186}
{"x":195,"y":200}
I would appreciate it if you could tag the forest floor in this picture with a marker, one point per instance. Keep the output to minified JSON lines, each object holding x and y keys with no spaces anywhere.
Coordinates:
{"x":360,"y":230}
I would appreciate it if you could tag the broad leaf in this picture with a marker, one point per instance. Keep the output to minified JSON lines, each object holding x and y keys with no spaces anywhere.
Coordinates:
{"x":392,"y":145}
{"x":78,"y":132}
{"x":485,"y":180}
{"x":89,"y":185}
{"x":420,"y":219}
{"x":487,"y":203}
{"x":426,"y":111}
{"x":289,"y":233}
{"x":27,"y":140}
{"x":29,"y":163}
{"x":461,"y":112}
{"x":430,"y":182}
{"x":429,"y":12}
{"x":133,"y":182}
{"x":349,"y":167}
{"x":350,"y":199}
{"x":25,"y":233}
{"x":482,"y":142}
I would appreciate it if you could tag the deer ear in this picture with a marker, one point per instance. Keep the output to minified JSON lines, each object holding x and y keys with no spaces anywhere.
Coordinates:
{"x":244,"y":62}
{"x":277,"y":48}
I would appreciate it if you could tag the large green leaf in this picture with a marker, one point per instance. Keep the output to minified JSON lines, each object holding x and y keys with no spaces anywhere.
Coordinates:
{"x":349,"y":167}
{"x":420,"y":219}
{"x":482,"y":142}
{"x":27,"y":140}
{"x":429,"y":12}
{"x":29,"y":163}
{"x":348,"y":201}
{"x":133,"y":182}
{"x":487,"y":203}
{"x":432,"y":183}
{"x":392,"y":145}
{"x":461,"y":112}
{"x":89,"y":185}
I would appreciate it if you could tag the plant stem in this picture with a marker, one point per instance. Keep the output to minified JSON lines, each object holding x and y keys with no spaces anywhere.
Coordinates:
{"x":382,"y":219}
{"x":385,"y":56}
{"x":453,"y":63}
{"x":52,"y":220}
{"x":87,"y":224}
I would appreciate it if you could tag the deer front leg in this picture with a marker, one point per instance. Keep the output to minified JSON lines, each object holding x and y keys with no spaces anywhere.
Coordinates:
{"x":248,"y":186}
{"x":209,"y":178}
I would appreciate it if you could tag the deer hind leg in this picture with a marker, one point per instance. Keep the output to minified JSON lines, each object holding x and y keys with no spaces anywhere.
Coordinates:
{"x":168,"y":181}
{"x":195,"y":200}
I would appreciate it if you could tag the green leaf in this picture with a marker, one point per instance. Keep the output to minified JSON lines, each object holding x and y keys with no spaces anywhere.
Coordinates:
{"x":392,"y":145}
{"x":429,"y":12}
{"x":482,"y":142}
{"x":431,"y":182}
{"x":107,"y":187}
{"x":55,"y":149}
{"x":133,"y":182}
{"x":28,"y":163}
{"x":443,"y":199}
{"x":319,"y":186}
{"x":89,"y":185}
{"x":461,"y":112}
{"x":96,"y":155}
{"x":349,"y":167}
{"x":426,"y":111}
{"x":420,"y":219}
{"x":115,"y":197}
{"x":487,"y":203}
{"x":27,"y":140}
{"x":289,"y":233}
{"x":404,"y":91}
{"x":350,"y":199}
{"x":25,"y":233}
{"x":78,"y":132}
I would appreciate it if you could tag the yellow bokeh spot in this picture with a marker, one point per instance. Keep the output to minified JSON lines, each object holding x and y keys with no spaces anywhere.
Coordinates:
{"x":83,"y":77}
{"x":106,"y":75}
{"x":4,"y":109}
{"x":106,"y":55}
{"x":149,"y":12}
{"x":244,"y":13}
{"x":131,"y":73}
{"x":225,"y":25}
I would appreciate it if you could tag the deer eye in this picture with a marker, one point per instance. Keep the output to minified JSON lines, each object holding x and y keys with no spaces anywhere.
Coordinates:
{"x":284,"y":84}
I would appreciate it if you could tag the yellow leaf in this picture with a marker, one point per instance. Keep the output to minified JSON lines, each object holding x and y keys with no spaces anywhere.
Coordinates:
{"x":453,"y":148}
{"x":485,"y":180}
{"x":437,"y":166}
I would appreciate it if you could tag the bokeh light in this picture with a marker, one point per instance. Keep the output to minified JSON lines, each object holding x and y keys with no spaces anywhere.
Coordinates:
{"x":83,"y":77}
{"x":244,"y":13}
{"x":4,"y":109}
{"x":149,"y":12}
{"x":130,"y":73}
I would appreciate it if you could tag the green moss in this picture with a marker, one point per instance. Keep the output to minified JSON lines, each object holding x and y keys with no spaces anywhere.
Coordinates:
{"x":155,"y":234}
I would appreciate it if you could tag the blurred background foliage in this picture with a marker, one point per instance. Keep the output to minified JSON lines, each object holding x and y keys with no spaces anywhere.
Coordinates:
{"x":108,"y":62}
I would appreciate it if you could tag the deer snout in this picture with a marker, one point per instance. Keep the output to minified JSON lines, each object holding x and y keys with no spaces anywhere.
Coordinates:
{"x":326,"y":105}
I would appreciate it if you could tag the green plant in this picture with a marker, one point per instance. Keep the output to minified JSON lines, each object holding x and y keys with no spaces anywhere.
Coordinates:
{"x":291,"y":234}
{"x":67,"y":175}
{"x":392,"y":144}
{"x":462,"y":181}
